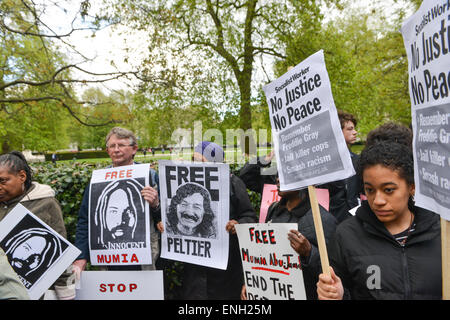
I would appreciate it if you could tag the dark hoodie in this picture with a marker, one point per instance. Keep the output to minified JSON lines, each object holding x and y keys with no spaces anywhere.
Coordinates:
{"x":373,"y":265}
{"x":302,"y":215}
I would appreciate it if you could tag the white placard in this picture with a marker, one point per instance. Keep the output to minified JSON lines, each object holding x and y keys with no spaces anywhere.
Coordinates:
{"x":309,"y":143}
{"x":119,"y":218}
{"x":195,"y":200}
{"x":37,"y":253}
{"x":272,"y":269}
{"x":121,"y":285}
{"x":426,"y":36}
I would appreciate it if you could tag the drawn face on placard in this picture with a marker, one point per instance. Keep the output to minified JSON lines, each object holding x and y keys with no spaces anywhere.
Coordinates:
{"x":190,"y":212}
{"x":119,"y":217}
{"x":28,"y":254}
{"x":32,"y":249}
{"x":118,"y":210}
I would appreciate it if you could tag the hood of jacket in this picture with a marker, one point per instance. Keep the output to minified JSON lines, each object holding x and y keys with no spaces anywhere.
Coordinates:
{"x":38,"y":191}
{"x":424,"y":220}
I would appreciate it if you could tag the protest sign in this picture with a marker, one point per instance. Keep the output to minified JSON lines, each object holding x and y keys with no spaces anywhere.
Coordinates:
{"x":37,"y":253}
{"x":121,"y":285}
{"x":270,"y":195}
{"x":309,"y":143}
{"x":272,"y":269}
{"x":119,"y":219}
{"x":195,"y":200}
{"x":308,"y":139}
{"x":426,"y":36}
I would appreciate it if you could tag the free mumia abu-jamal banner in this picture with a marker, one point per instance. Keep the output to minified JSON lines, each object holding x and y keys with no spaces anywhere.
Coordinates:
{"x":119,"y":218}
{"x":35,"y":251}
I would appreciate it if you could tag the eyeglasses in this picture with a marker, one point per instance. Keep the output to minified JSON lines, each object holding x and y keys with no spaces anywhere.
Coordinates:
{"x":120,"y":146}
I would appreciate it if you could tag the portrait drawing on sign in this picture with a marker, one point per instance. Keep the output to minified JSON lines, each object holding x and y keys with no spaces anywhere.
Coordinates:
{"x":190,"y":213}
{"x":119,"y":215}
{"x":32,"y":250}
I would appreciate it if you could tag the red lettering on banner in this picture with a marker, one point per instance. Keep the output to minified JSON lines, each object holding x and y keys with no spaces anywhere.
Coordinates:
{"x":275,"y":196}
{"x":116,"y":258}
{"x":262,"y":236}
{"x":119,"y":174}
{"x":121,"y":287}
{"x":134,"y":258}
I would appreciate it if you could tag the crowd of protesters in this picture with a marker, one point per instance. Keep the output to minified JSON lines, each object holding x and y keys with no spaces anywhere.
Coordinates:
{"x":389,"y":249}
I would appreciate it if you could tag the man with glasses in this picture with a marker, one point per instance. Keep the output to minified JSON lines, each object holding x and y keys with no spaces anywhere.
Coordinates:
{"x":121,"y":146}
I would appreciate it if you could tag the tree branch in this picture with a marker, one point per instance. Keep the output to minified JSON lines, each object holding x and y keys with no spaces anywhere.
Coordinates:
{"x":65,"y":105}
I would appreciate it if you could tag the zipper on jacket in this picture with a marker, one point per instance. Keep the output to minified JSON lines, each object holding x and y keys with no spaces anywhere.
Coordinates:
{"x":407,"y":284}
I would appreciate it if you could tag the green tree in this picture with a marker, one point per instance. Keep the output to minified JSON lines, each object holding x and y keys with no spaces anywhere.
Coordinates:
{"x":224,"y":35}
{"x":366,"y":62}
{"x":117,"y":108}
{"x":37,"y":83}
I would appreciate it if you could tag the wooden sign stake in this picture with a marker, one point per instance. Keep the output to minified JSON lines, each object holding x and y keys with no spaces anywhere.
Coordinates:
{"x":319,"y":230}
{"x":445,"y":239}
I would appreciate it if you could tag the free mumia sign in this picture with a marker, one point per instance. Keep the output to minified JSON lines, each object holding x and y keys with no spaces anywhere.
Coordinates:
{"x":37,"y":253}
{"x":119,"y":217}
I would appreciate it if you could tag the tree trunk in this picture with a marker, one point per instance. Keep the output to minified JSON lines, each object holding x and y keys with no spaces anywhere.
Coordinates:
{"x":245,"y":113}
{"x":5,"y":145}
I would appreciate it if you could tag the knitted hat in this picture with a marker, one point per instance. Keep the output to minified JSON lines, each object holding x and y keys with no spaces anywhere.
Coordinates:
{"x":211,"y":151}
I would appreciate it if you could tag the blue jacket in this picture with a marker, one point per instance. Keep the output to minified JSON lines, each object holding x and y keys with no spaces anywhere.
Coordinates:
{"x":82,"y":232}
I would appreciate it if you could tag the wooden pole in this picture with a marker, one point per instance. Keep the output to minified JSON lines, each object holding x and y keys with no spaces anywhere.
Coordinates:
{"x":319,"y":230}
{"x":445,"y":239}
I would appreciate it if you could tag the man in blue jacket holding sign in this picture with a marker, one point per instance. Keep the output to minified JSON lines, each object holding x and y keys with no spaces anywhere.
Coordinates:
{"x":121,"y":145}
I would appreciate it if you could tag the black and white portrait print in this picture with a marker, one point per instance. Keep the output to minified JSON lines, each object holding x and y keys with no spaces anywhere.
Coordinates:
{"x":117,"y":213}
{"x":190,"y":212}
{"x":32,"y":249}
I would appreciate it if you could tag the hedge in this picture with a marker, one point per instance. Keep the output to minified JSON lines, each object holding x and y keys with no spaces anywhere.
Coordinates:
{"x":92,"y":154}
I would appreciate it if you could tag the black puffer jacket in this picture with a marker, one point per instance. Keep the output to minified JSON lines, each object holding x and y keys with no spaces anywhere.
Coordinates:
{"x":302,"y":215}
{"x":373,"y":265}
{"x":344,"y":194}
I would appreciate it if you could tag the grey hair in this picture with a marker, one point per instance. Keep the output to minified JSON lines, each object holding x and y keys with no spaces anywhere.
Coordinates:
{"x":122,"y":133}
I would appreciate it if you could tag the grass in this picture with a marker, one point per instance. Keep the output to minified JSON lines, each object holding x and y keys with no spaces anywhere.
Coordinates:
{"x":231,"y":155}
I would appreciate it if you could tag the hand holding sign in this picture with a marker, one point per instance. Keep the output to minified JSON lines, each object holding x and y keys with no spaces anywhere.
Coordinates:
{"x":151,"y":196}
{"x":230,"y":227}
{"x":299,"y":243}
{"x":330,"y":286}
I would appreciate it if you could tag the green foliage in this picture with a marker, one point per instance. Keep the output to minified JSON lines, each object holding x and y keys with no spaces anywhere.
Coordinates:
{"x":25,"y":118}
{"x":69,"y":181}
{"x":78,"y":155}
{"x":203,"y":52}
{"x":367,"y":65}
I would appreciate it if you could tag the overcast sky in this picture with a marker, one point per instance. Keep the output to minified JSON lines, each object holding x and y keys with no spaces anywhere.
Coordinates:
{"x":110,"y":45}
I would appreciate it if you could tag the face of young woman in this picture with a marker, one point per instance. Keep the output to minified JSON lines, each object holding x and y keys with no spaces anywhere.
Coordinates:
{"x":11,"y":185}
{"x":388,"y":193}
